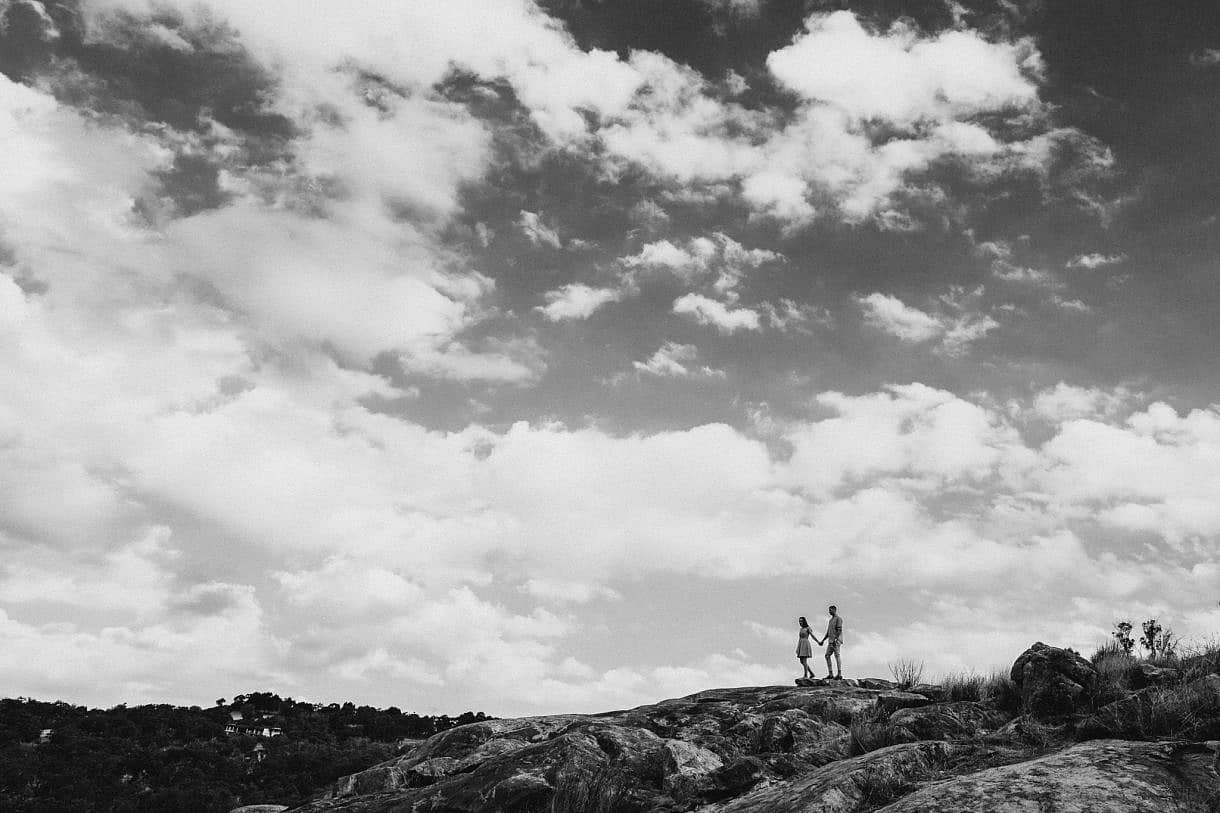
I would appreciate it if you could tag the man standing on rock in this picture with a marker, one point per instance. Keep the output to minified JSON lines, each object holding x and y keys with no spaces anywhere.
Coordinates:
{"x":833,"y":640}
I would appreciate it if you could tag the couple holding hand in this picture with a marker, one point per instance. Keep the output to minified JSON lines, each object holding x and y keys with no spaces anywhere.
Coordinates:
{"x":833,"y":640}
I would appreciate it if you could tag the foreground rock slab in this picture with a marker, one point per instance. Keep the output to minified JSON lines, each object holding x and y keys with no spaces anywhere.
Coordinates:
{"x":1103,"y":775}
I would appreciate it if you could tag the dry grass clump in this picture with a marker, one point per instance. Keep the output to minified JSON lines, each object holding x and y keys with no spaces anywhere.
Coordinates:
{"x":1000,"y":690}
{"x":1197,"y":660}
{"x":996,"y":689}
{"x":1115,"y":672}
{"x":606,"y":791}
{"x":907,"y":672}
{"x":964,"y":686}
{"x":870,"y":730}
{"x":1189,"y":711}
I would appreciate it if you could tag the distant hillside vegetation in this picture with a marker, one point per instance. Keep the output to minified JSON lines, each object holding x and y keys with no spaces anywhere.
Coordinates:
{"x":148,"y":759}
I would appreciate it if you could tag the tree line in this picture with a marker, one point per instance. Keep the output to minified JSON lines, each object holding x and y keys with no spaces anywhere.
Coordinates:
{"x":162,"y":758}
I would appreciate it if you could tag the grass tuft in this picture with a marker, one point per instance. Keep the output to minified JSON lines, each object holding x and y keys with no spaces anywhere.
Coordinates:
{"x":869,"y":731}
{"x":907,"y":672}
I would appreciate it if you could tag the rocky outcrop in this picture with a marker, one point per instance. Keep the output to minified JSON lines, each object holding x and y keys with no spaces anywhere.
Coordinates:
{"x":675,"y":755}
{"x":1110,"y":775}
{"x":829,"y":747}
{"x":1053,"y":682}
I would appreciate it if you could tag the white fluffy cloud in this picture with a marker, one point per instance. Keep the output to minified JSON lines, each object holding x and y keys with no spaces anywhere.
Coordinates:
{"x":931,"y":89}
{"x":955,"y":330}
{"x":893,"y":316}
{"x":719,"y":256}
{"x":724,"y":318}
{"x":902,"y":77}
{"x":576,"y":301}
{"x":674,"y":359}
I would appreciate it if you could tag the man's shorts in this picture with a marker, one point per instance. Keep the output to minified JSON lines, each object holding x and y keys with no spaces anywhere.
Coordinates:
{"x":832,"y":647}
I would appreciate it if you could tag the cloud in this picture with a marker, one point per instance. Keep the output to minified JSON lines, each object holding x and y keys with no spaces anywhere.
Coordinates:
{"x":1205,"y":57}
{"x":789,"y":315}
{"x":934,"y":92}
{"x":902,"y":77}
{"x":560,"y":592}
{"x":1095,"y":260}
{"x":1072,"y":305}
{"x":735,"y":8}
{"x":674,"y":360}
{"x":1066,"y":402}
{"x":891,"y":315}
{"x":532,"y":226}
{"x":706,"y":311}
{"x":576,"y":301}
{"x":698,"y":257}
{"x":955,"y":330}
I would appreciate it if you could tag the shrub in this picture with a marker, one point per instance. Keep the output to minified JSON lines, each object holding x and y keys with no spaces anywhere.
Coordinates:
{"x":907,"y":672}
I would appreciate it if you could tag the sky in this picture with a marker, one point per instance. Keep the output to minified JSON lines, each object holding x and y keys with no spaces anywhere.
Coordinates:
{"x":531,"y":356}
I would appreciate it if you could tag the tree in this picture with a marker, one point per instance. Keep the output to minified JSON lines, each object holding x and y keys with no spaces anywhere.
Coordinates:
{"x":1122,"y":634}
{"x":1159,"y":642}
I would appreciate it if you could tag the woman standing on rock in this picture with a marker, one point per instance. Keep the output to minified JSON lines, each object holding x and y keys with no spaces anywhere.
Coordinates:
{"x":804,"y":649}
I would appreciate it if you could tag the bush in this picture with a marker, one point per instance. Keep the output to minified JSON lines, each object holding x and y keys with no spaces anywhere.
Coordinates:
{"x":907,"y":672}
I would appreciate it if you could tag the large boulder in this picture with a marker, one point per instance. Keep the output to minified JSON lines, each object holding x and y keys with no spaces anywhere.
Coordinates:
{"x":1053,"y":682}
{"x":1111,"y":775}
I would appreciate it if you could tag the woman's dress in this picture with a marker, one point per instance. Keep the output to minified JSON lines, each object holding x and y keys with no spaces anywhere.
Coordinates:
{"x":804,"y":649}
